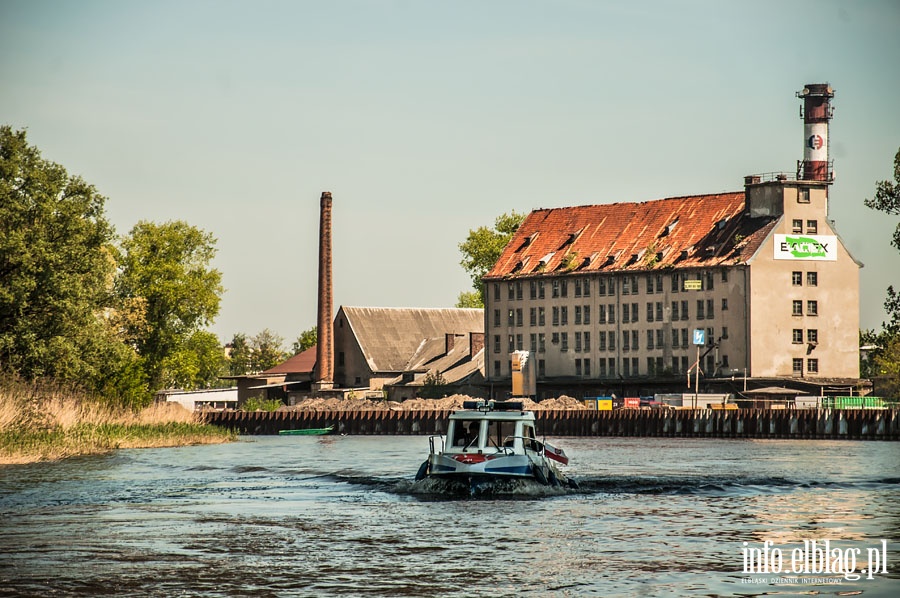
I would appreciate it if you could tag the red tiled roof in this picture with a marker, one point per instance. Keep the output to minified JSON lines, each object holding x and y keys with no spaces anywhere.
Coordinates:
{"x":301,"y":363}
{"x":677,"y":232}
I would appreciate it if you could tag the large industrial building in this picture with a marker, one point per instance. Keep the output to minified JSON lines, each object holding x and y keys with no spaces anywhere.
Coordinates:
{"x":627,"y":295}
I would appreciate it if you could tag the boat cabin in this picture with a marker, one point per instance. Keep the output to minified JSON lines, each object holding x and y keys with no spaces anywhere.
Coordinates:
{"x":489,"y":429}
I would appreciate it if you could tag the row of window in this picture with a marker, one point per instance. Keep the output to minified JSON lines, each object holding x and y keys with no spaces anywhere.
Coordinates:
{"x":606,"y":341}
{"x":812,"y":307}
{"x":812,"y":226}
{"x":812,"y":335}
{"x":606,"y":285}
{"x":630,"y":367}
{"x":812,"y":279}
{"x":812,"y":366}
{"x":607,"y":313}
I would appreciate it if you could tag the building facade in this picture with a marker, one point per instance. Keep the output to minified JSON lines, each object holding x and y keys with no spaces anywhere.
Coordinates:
{"x":614,"y":292}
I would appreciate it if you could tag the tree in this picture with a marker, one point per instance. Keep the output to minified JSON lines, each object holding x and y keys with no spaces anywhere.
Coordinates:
{"x":196,"y":363}
{"x":469,"y":299}
{"x":167,"y":267}
{"x":56,"y":272}
{"x":307,"y":339}
{"x":240,"y":359}
{"x":482,"y":249}
{"x":266,"y":348}
{"x":884,"y":359}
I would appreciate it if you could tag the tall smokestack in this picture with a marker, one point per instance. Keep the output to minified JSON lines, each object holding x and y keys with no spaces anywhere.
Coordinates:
{"x":816,"y":113}
{"x":324,"y":325}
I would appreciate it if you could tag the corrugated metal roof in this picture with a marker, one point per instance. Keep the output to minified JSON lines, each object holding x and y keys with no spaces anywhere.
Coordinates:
{"x":676,"y":232}
{"x":391,"y":336}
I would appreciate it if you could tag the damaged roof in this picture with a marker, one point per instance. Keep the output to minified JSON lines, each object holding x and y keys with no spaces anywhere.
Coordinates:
{"x":679,"y":232}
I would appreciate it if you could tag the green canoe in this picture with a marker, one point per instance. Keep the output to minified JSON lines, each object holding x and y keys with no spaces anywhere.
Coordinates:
{"x":307,"y":432}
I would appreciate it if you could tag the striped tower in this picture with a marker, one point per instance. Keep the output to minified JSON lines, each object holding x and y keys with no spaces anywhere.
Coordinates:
{"x":816,"y":113}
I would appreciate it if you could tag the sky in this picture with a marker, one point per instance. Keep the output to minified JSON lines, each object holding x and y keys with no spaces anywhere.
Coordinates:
{"x":428,"y":119}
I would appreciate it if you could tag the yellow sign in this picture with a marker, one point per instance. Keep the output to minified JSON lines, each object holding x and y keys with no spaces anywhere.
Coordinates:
{"x":604,"y":405}
{"x":693,"y":285}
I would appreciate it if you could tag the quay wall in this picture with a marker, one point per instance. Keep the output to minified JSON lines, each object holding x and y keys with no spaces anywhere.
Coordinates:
{"x":858,"y":424}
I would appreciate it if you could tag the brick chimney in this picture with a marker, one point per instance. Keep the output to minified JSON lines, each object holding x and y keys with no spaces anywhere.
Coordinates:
{"x":324,"y":324}
{"x":476,"y":343}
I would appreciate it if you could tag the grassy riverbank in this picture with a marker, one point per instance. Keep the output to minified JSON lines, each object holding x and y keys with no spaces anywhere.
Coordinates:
{"x":43,"y":423}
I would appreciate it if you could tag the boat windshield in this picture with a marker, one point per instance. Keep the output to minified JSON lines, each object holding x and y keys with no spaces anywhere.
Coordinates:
{"x":465,"y":432}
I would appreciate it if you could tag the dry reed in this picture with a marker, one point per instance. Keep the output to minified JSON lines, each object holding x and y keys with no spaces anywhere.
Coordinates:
{"x":41,"y":421}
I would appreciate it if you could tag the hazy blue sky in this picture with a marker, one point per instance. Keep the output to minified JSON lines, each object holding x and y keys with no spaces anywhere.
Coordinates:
{"x":427,"y":119}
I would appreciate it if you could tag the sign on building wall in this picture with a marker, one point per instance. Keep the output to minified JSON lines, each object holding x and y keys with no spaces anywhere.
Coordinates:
{"x":693,"y":285}
{"x":806,"y":247}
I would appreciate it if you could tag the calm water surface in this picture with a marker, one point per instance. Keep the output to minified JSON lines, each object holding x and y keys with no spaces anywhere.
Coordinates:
{"x":340,"y":516}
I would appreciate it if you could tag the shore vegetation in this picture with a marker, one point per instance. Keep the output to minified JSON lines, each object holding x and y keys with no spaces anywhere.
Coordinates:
{"x":40,"y":421}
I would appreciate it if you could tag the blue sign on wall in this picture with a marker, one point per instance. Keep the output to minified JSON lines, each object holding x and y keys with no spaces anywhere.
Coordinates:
{"x":699,"y":336}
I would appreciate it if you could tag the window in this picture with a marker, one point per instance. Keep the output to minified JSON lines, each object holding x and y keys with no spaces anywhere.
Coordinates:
{"x":587,"y":289}
{"x":577,"y":367}
{"x":602,"y":368}
{"x":555,"y":287}
{"x":724,"y":331}
{"x":626,"y":285}
{"x":724,"y":304}
{"x":660,"y":338}
{"x":709,"y":309}
{"x":634,"y":340}
{"x":634,"y":312}
{"x":556,"y":315}
{"x":676,"y":283}
{"x":555,"y":338}
{"x":564,"y":342}
{"x":812,"y":336}
{"x":626,"y":312}
{"x":511,"y":291}
{"x":496,"y":368}
{"x":709,"y":282}
{"x":496,"y":318}
{"x":650,"y":284}
{"x":626,"y":341}
{"x":797,"y":226}
{"x":564,"y":288}
{"x":541,"y":320}
{"x":659,"y":311}
{"x":684,"y":310}
{"x":611,"y":362}
{"x":649,"y":311}
{"x":565,"y":316}
{"x":700,"y":305}
{"x":684,"y":337}
{"x":797,"y":364}
{"x":496,"y":343}
{"x":797,"y":278}
{"x":675,"y":369}
{"x":532,"y":289}
{"x":724,"y":275}
{"x":519,"y":346}
{"x":674,"y":310}
{"x":496,"y":291}
{"x":684,"y":363}
{"x":601,"y":317}
{"x":611,"y":316}
{"x":519,"y":290}
{"x":578,"y":287}
{"x":812,"y":279}
{"x":651,"y":366}
{"x":519,"y":317}
{"x":532,"y":342}
{"x":587,"y":315}
{"x":542,"y":370}
{"x":710,"y":338}
{"x":587,"y":367}
{"x":812,"y":308}
{"x":512,"y":343}
{"x":649,"y":340}
{"x":812,"y":366}
{"x":542,"y":342}
{"x":635,"y":370}
{"x":803,"y":195}
{"x":578,"y":315}
{"x":812,"y":227}
{"x":578,"y":342}
{"x":797,"y":307}
{"x":797,"y":335}
{"x":725,"y":361}
{"x":532,"y":316}
{"x":540,"y":289}
{"x":674,"y":338}
{"x":587,"y":342}
{"x":601,"y":342}
{"x":626,"y":368}
{"x":601,"y":286}
{"x":612,"y":343}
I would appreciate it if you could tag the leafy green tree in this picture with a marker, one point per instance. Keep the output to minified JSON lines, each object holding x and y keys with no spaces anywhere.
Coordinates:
{"x":56,"y":271}
{"x":482,"y":249}
{"x":307,"y":339}
{"x":240,"y":361}
{"x":196,"y":363}
{"x":469,"y":299}
{"x":167,"y":267}
{"x":884,"y":360}
{"x":266,"y":348}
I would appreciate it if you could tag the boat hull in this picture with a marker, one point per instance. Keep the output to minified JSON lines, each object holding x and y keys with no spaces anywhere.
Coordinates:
{"x":307,"y":432}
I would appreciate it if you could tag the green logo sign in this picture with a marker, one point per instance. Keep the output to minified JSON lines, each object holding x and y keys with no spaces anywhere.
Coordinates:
{"x":804,"y":247}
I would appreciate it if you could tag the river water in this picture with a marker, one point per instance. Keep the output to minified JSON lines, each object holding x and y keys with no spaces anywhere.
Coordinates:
{"x":341,"y":516}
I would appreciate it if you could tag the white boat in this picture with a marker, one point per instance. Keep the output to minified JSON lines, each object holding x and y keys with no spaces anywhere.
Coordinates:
{"x":490,"y":445}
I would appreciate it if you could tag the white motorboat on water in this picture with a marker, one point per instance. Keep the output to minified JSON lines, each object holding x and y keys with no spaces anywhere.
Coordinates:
{"x":490,"y":444}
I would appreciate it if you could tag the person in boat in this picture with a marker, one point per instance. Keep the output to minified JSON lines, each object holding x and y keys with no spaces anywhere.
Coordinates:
{"x":467,"y":435}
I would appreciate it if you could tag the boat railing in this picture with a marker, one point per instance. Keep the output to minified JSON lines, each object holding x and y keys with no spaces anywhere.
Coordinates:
{"x":432,"y":442}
